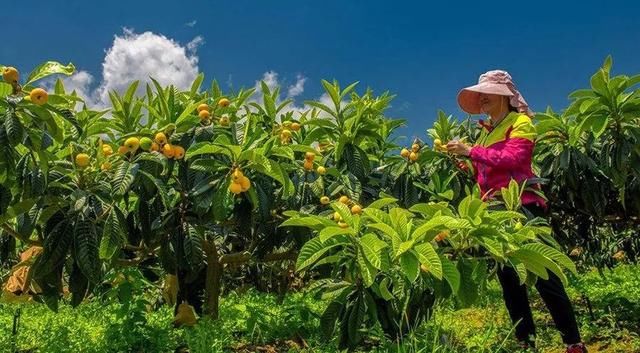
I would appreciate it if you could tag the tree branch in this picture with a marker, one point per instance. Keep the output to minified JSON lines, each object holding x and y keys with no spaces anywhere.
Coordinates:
{"x":5,"y":227}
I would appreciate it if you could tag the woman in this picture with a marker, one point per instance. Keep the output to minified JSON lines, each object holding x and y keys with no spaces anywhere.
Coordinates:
{"x":503,"y":152}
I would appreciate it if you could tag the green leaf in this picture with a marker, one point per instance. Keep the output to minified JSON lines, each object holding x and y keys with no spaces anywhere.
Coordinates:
{"x":309,"y":222}
{"x":552,"y":254}
{"x":428,"y":256}
{"x":206,"y":148}
{"x":332,"y":92}
{"x":344,"y":212}
{"x":599,"y":83}
{"x":313,"y":250}
{"x":372,"y":248}
{"x":380,"y":203}
{"x":599,"y":126}
{"x":471,"y":207}
{"x":162,"y":190}
{"x":193,"y":252}
{"x":330,"y":232}
{"x":188,"y":118}
{"x":5,"y":89}
{"x":329,"y":317}
{"x":367,"y":270}
{"x":124,"y":177}
{"x":404,"y":247}
{"x":78,"y":285}
{"x":14,"y":128}
{"x":16,"y":210}
{"x":410,"y":266}
{"x":86,"y":250}
{"x":376,"y":215}
{"x":112,"y":236}
{"x":195,"y":86}
{"x":469,"y":288}
{"x":384,"y":289}
{"x":450,"y":274}
{"x":539,"y":264}
{"x":55,"y":248}
{"x":49,"y":68}
{"x":389,"y":232}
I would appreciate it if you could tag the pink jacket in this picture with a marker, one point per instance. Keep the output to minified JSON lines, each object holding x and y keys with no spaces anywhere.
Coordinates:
{"x":504,"y":152}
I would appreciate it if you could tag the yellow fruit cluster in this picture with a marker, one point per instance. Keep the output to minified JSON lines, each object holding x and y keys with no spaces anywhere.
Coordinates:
{"x":355,"y":209}
{"x":159,"y":144}
{"x":37,"y":96}
{"x":411,"y":155}
{"x":239,"y":182}
{"x":286,"y":131}
{"x":308,"y":160}
{"x":204,"y":112}
{"x":439,"y":146}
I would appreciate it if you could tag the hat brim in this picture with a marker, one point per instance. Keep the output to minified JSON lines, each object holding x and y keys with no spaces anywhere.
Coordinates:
{"x":469,"y":97}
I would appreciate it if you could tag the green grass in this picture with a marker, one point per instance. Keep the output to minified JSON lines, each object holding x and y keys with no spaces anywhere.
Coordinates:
{"x":254,"y":319}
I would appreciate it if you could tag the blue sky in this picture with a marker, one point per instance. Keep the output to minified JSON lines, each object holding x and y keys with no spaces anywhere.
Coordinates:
{"x":422,"y":52}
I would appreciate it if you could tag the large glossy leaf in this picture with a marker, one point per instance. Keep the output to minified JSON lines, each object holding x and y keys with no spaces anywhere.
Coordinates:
{"x":49,"y":68}
{"x":374,"y":251}
{"x":124,"y":177}
{"x":367,"y":270}
{"x":428,"y":256}
{"x":329,"y":317}
{"x":55,"y":249}
{"x":313,"y":250}
{"x":13,"y":128}
{"x":193,"y":252}
{"x":450,"y":273}
{"x":410,"y":266}
{"x":78,"y":285}
{"x":330,"y":232}
{"x":112,"y":236}
{"x":86,"y":250}
{"x":552,"y":254}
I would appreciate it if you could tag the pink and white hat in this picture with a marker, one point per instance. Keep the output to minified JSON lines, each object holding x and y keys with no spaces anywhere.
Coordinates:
{"x":492,"y":82}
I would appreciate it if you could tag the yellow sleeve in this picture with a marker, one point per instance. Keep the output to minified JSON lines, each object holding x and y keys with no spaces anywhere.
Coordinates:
{"x":523,"y":128}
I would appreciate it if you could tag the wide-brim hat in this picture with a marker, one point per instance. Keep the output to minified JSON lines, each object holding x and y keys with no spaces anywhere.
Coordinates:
{"x":492,"y":82}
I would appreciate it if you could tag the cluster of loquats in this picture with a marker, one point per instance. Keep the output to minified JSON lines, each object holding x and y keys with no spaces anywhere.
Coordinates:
{"x":355,"y":208}
{"x":286,"y":130}
{"x":412,"y":155}
{"x":37,"y":96}
{"x":439,"y":146}
{"x":309,"y":158}
{"x":239,"y":182}
{"x":206,"y":117}
{"x":159,"y":144}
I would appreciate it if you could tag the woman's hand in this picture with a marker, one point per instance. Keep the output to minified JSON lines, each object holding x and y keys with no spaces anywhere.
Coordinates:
{"x":458,"y":148}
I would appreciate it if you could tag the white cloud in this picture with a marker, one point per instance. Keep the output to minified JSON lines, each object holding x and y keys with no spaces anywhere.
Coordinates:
{"x":297,"y":89}
{"x":80,"y":82}
{"x":135,"y":56}
{"x":191,"y":24}
{"x":139,"y":56}
{"x":270,"y":78}
{"x":193,"y":45}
